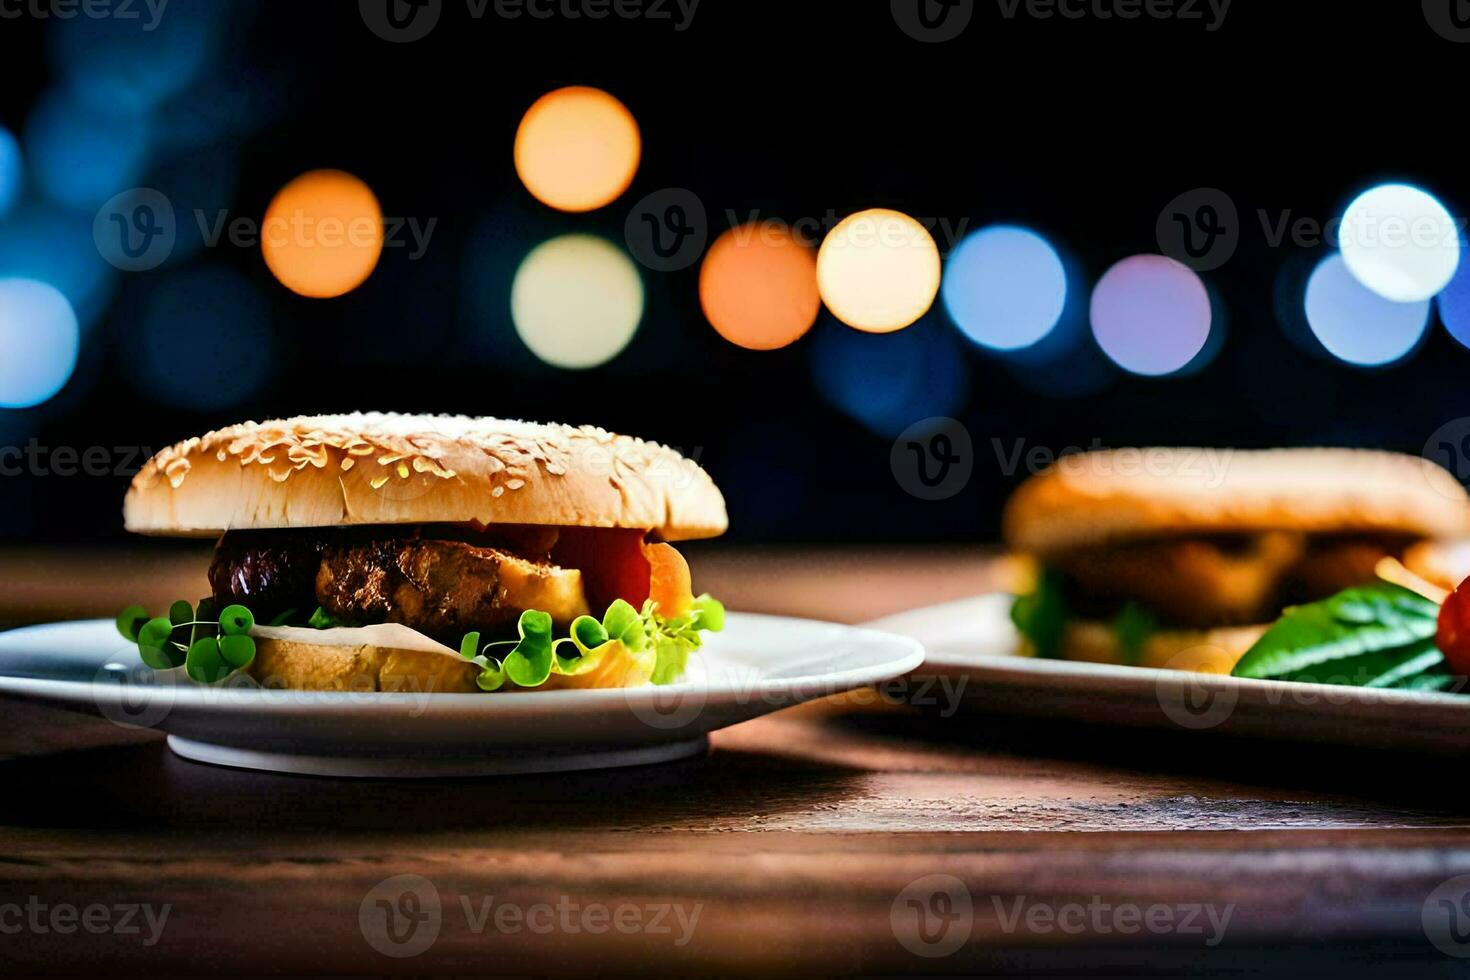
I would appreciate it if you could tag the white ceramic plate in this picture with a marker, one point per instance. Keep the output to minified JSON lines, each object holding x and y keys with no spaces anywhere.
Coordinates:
{"x":757,"y":665}
{"x":972,"y":660}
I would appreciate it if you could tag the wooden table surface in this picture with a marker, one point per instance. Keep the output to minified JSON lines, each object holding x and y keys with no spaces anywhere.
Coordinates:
{"x":847,"y":835}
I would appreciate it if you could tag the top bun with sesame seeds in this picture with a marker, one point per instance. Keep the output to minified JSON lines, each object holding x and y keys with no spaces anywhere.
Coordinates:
{"x":1120,"y":495}
{"x":377,"y":469}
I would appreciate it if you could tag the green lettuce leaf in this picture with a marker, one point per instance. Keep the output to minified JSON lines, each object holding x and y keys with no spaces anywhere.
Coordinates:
{"x":1379,"y":635}
{"x":529,"y":663}
{"x":1041,"y":615}
{"x":537,"y":655}
{"x":212,"y":643}
{"x":323,"y":620}
{"x":1132,"y":627}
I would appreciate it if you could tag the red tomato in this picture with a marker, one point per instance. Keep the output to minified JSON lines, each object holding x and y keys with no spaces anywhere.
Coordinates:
{"x":612,"y":562}
{"x":1453,"y":638}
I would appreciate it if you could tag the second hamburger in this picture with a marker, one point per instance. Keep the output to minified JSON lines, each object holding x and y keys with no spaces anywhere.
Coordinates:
{"x":1182,"y":557}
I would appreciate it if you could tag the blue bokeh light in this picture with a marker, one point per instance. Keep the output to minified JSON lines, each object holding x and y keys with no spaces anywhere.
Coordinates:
{"x":890,"y":381}
{"x":56,"y":247}
{"x":11,"y":169}
{"x":1005,"y":287}
{"x":80,"y":155}
{"x":1454,"y":304}
{"x":205,"y":341}
{"x":135,"y":62}
{"x":1357,"y":325}
{"x":39,"y":342}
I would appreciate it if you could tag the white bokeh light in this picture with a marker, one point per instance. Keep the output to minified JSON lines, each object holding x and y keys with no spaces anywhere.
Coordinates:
{"x":878,"y":270}
{"x":576,"y":301}
{"x":1400,"y":242}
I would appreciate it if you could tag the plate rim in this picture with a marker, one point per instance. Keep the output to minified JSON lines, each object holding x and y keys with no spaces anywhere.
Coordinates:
{"x":1019,"y":667}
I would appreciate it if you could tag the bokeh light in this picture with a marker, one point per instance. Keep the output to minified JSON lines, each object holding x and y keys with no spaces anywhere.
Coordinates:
{"x":10,"y":171}
{"x":135,"y":63}
{"x":55,"y":246}
{"x":1214,"y":338}
{"x":878,"y":270}
{"x":1454,"y":304}
{"x":1151,"y":315}
{"x":204,"y":342}
{"x":1005,"y":287}
{"x":890,"y":381}
{"x":576,"y":301}
{"x":322,"y":234}
{"x":1400,"y":242}
{"x":1356,"y":324}
{"x":577,"y":148}
{"x":39,"y":342}
{"x":79,"y":155}
{"x":758,"y":286}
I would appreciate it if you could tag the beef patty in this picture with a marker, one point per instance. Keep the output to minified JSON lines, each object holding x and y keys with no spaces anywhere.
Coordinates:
{"x":441,"y":582}
{"x":1204,"y":582}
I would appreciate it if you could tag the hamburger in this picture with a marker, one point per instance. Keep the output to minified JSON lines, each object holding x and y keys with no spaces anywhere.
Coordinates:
{"x":426,"y":553}
{"x":1182,"y":557}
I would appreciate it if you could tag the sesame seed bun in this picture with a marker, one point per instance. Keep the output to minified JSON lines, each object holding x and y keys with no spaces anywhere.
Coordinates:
{"x":1127,"y":494}
{"x":329,"y":471}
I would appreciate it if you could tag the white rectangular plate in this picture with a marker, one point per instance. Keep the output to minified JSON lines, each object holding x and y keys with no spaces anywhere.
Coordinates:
{"x":971,"y":645}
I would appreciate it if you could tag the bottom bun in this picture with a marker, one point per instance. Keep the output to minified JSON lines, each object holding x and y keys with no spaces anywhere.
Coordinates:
{"x":1203,"y":651}
{"x":301,"y":666}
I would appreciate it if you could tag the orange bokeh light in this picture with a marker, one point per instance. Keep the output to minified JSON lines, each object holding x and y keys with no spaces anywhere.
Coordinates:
{"x":322,"y":234}
{"x":758,"y":286}
{"x":577,"y":149}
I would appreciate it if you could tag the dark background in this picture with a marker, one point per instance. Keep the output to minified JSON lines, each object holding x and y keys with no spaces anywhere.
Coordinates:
{"x":1082,"y":129}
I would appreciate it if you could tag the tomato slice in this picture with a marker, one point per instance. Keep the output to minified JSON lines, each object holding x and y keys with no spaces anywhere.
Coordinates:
{"x":612,"y":563}
{"x":619,"y":564}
